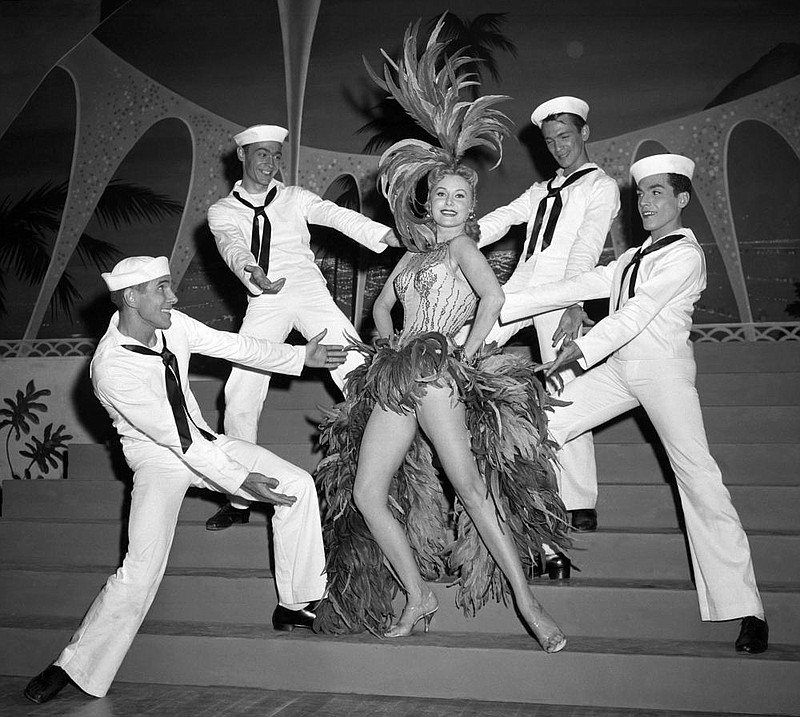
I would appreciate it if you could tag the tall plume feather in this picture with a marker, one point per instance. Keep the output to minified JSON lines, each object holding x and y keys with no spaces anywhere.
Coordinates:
{"x":429,"y":89}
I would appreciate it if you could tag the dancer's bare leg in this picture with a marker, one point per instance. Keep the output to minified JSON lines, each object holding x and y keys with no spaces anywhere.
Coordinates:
{"x":385,"y":443}
{"x":443,"y":420}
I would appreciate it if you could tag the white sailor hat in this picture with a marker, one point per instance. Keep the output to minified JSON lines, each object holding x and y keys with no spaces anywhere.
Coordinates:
{"x":261,"y":133}
{"x":557,"y":105}
{"x":662,"y":164}
{"x":135,"y":270}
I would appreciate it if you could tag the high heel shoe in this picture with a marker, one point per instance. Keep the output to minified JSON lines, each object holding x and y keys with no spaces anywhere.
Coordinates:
{"x":412,"y":614}
{"x":545,"y":630}
{"x":554,"y":643}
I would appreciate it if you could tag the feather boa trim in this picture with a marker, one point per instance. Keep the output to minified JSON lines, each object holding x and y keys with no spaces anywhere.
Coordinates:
{"x":505,"y":409}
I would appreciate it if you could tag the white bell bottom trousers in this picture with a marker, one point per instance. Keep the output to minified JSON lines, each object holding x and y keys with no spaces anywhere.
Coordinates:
{"x":97,"y":649}
{"x":720,"y":552}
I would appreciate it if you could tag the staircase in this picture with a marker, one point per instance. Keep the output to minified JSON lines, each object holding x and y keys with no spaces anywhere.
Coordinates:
{"x":635,"y":637}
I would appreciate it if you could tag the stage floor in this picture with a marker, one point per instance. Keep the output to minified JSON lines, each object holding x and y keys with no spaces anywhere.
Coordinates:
{"x":136,"y":700}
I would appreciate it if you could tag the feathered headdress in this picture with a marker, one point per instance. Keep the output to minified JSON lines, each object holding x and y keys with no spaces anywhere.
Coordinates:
{"x":429,"y":89}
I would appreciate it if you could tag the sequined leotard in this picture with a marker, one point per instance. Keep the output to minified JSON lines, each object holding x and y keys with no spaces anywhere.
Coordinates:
{"x":434,"y":297}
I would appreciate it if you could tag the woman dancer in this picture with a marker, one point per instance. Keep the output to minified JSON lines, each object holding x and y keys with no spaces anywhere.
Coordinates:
{"x":481,"y":410}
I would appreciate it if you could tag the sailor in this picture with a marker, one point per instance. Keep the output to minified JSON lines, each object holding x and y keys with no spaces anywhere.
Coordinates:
{"x":568,"y":219}
{"x":653,"y":290}
{"x":140,"y":374}
{"x":261,"y":231}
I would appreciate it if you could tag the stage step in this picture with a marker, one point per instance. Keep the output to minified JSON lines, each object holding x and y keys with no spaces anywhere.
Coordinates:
{"x":620,"y":505}
{"x":741,"y":463}
{"x":748,"y":409}
{"x":749,"y":389}
{"x":619,"y":553}
{"x":734,"y":356}
{"x":766,"y":388}
{"x":101,"y":542}
{"x":630,"y":611}
{"x":769,"y":425}
{"x":664,"y":609}
{"x":312,"y":389}
{"x":745,"y":357}
{"x":728,"y":424}
{"x":731,"y":424}
{"x":98,"y":462}
{"x":614,"y":672}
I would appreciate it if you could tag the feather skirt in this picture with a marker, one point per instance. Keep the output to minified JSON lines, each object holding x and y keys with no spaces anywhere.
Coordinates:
{"x":506,"y":417}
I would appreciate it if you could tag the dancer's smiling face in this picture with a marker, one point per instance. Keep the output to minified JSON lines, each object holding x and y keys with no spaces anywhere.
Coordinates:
{"x":451,"y":200}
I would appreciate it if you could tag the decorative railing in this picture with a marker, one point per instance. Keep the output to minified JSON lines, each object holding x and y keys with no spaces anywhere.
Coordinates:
{"x":40,"y":348}
{"x":763,"y":331}
{"x":701,"y":333}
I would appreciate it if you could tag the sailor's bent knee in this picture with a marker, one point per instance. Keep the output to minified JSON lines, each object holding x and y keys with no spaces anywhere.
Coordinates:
{"x":302,"y":485}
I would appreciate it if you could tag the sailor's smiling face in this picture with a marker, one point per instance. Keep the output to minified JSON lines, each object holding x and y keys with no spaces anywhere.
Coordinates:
{"x":566,"y":142}
{"x":153,"y":302}
{"x":261,"y":161}
{"x":659,"y":205}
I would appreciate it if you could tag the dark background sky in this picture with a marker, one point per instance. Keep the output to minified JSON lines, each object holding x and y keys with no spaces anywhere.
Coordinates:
{"x":636,"y":63}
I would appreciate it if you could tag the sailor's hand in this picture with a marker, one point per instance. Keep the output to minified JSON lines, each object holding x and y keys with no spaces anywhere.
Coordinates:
{"x":261,"y":488}
{"x":324,"y":355}
{"x":569,"y":352}
{"x":391,"y":239}
{"x":569,"y":327}
{"x":259,"y":278}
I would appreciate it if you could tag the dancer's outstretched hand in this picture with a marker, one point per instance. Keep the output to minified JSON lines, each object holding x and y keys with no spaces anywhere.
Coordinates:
{"x":260,"y":487}
{"x":324,"y":355}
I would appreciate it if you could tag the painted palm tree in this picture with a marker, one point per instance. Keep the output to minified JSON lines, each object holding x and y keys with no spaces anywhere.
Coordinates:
{"x":27,"y":228}
{"x":480,"y":37}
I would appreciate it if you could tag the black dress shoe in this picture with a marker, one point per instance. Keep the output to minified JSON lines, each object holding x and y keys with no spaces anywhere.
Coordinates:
{"x":47,"y":684}
{"x":286,"y":620}
{"x":753,"y":637}
{"x":557,"y":567}
{"x":584,"y":520}
{"x":227,"y":516}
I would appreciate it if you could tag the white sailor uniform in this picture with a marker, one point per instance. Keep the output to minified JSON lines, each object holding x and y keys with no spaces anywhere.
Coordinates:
{"x":590,"y":200}
{"x":131,"y":387}
{"x":303,"y":303}
{"x":651,"y":363}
